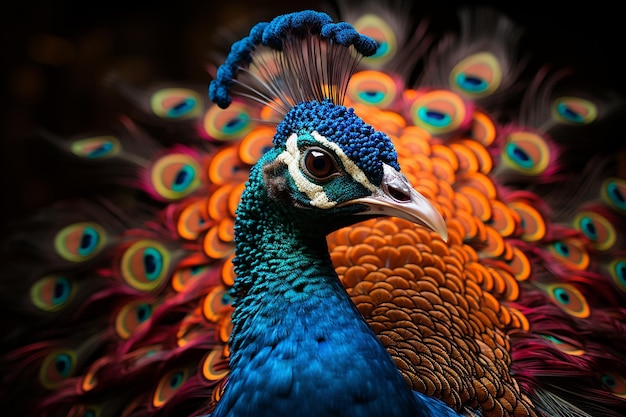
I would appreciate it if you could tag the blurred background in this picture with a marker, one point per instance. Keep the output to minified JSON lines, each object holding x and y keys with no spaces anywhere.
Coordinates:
{"x":56,"y":54}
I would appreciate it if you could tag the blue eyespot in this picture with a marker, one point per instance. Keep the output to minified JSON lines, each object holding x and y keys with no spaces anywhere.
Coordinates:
{"x":61,"y":291}
{"x":519,"y":156}
{"x":176,"y":379}
{"x":88,"y":241}
{"x":372,"y":97}
{"x":153,"y":263}
{"x":236,"y":124}
{"x":100,"y":151}
{"x":434,"y":118}
{"x":562,"y":249}
{"x":609,"y":381}
{"x":562,"y":296}
{"x":63,"y":364}
{"x":144,"y":311}
{"x":183,"y":178}
{"x":564,"y":110}
{"x":614,"y":192}
{"x":182,"y":108}
{"x":471,"y":84}
{"x":588,"y":228}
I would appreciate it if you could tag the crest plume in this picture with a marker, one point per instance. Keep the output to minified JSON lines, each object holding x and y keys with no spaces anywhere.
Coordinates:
{"x":294,"y":58}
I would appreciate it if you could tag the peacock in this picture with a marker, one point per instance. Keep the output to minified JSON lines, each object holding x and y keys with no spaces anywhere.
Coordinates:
{"x":362,"y":217}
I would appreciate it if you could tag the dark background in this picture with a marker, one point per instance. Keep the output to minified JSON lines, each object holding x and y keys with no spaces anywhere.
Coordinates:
{"x":56,"y":53}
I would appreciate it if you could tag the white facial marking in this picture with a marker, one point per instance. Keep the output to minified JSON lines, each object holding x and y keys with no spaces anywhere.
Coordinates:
{"x":291,"y":158}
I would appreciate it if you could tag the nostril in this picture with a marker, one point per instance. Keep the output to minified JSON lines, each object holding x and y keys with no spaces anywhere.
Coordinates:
{"x":398,"y":194}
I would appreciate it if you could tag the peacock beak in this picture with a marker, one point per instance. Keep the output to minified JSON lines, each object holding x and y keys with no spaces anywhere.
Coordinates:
{"x":396,"y":198}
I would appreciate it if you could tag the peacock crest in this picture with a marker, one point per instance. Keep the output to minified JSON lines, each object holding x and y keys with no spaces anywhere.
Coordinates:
{"x":295,"y":58}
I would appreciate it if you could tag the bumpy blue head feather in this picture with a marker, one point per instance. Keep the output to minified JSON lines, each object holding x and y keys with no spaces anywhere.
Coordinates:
{"x":291,"y":26}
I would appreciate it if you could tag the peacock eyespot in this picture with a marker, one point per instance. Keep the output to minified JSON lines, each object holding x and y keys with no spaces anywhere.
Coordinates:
{"x":517,"y":153}
{"x":614,"y":383}
{"x":168,"y":386}
{"x":597,"y":228}
{"x":609,"y":381}
{"x":614,"y":193}
{"x":527,"y":153}
{"x":569,"y":299}
{"x":52,"y":292}
{"x":176,"y":380}
{"x":145,"y":264}
{"x":228,"y":124}
{"x":130,"y":317}
{"x":96,"y":147}
{"x":589,"y":228}
{"x":372,"y":88}
{"x":378,"y":29}
{"x":383,"y":49}
{"x":79,"y":242}
{"x":562,"y":296}
{"x":176,"y":103}
{"x":561,"y":248}
{"x":471,"y":83}
{"x":574,"y":110}
{"x":478,"y":75}
{"x":567,"y":347}
{"x":56,"y":368}
{"x":144,"y":311}
{"x":319,"y":165}
{"x":439,"y":111}
{"x":571,"y":252}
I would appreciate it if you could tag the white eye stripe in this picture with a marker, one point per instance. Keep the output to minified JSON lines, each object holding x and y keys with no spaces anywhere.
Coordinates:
{"x":291,"y":158}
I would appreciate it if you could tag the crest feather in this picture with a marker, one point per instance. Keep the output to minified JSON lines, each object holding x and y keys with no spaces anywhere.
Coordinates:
{"x":295,"y":58}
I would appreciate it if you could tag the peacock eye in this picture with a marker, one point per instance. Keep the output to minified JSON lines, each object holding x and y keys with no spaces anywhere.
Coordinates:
{"x":319,"y":164}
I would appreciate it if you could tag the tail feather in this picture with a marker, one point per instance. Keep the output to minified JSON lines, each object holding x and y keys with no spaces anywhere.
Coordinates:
{"x":482,"y":62}
{"x":117,"y":303}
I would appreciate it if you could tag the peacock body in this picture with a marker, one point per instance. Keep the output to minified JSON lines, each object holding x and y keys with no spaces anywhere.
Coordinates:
{"x":233,"y":260}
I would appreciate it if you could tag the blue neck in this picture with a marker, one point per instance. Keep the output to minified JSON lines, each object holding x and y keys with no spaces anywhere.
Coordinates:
{"x":299,"y":345}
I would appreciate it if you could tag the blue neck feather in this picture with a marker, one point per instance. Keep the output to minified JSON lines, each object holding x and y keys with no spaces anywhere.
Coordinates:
{"x":299,"y":346}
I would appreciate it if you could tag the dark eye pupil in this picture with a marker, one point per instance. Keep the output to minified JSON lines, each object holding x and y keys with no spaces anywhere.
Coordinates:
{"x":320,"y":164}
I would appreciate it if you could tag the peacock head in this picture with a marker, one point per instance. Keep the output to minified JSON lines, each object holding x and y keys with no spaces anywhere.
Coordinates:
{"x":329,"y":162}
{"x":325,"y":160}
